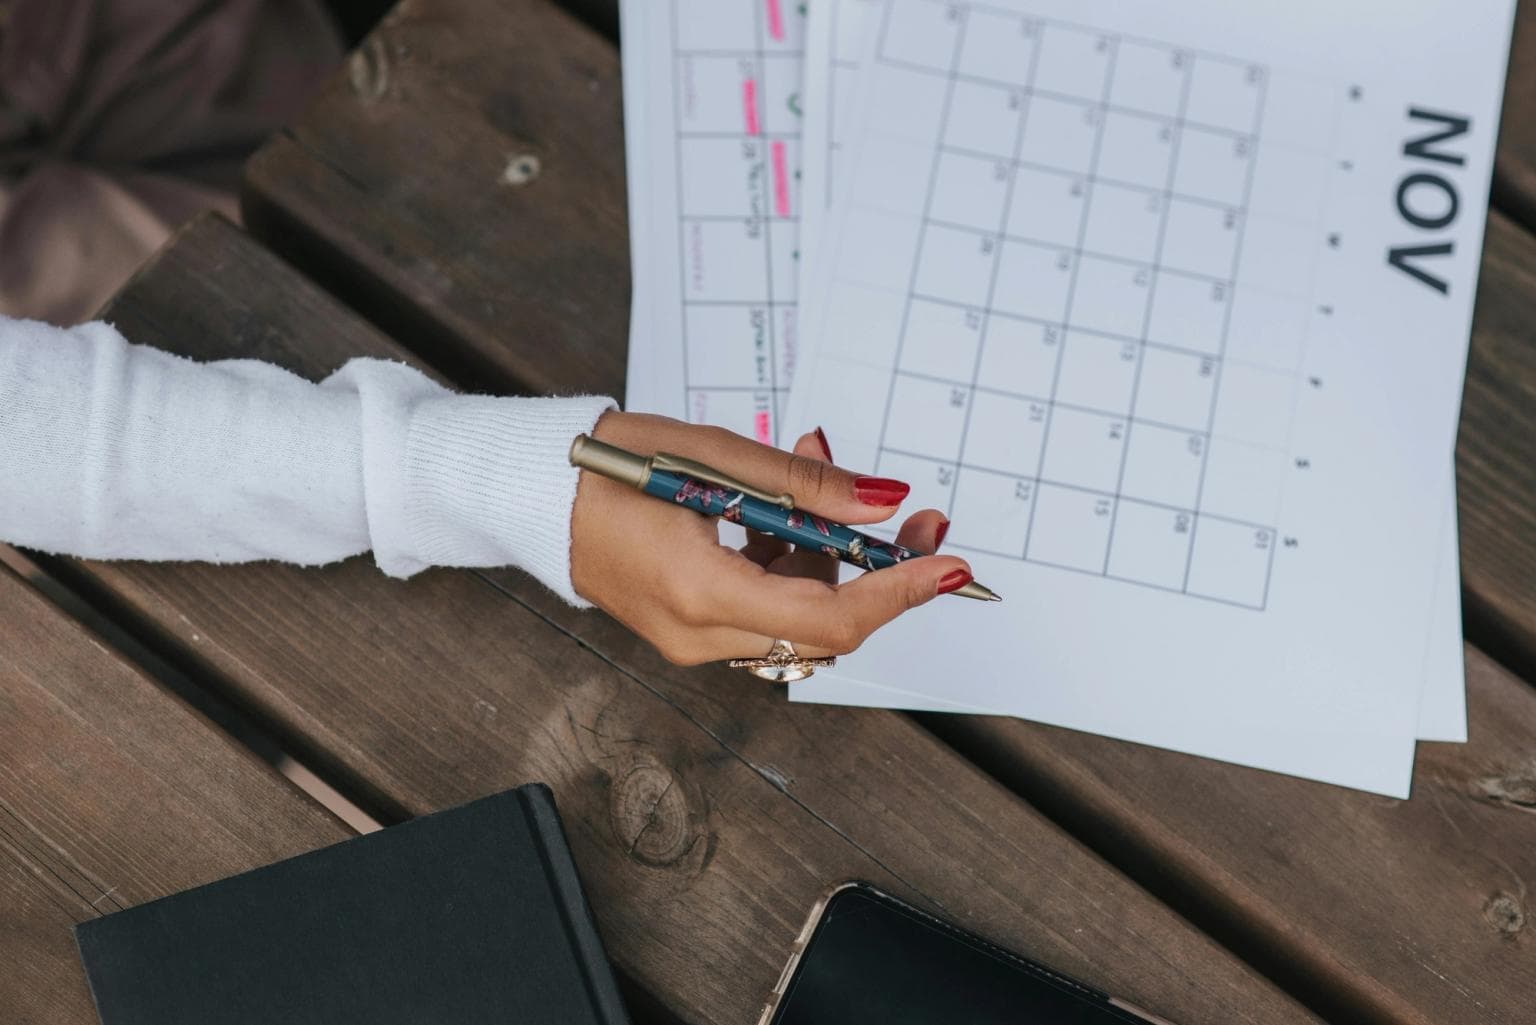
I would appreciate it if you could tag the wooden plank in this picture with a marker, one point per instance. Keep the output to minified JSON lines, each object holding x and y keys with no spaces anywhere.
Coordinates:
{"x":111,"y":793}
{"x":420,"y":140}
{"x":704,"y":813}
{"x":1514,"y":170}
{"x":1419,"y":909}
{"x":1496,"y":451}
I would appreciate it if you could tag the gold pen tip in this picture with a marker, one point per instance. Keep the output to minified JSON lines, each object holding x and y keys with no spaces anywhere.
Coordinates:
{"x":995,"y":597}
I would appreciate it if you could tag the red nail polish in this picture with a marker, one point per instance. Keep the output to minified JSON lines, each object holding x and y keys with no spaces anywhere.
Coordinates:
{"x":880,"y":490}
{"x":939,"y":532}
{"x":954,"y":580}
{"x":826,"y":450}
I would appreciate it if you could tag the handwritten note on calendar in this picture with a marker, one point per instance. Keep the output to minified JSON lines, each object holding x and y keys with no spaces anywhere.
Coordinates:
{"x":713,"y":88}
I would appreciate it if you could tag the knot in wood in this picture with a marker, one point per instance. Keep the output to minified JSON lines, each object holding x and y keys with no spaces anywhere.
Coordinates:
{"x":521,"y":169}
{"x":1505,"y":913}
{"x":368,"y":70}
{"x":651,"y":817}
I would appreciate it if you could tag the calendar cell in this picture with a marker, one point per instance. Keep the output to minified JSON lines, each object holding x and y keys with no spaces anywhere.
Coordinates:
{"x":1019,"y":356}
{"x":1213,"y":166}
{"x":1149,"y":78}
{"x":1005,"y":434}
{"x":1189,"y":312}
{"x":970,"y":191}
{"x":1136,"y":150}
{"x":926,"y":418}
{"x":719,"y":94}
{"x":1073,"y":62}
{"x":1070,"y":528}
{"x":1032,"y":281}
{"x":748,"y":413}
{"x":725,"y":261}
{"x":924,"y":35}
{"x":941,"y":340}
{"x":1111,"y":296}
{"x":729,"y":346}
{"x":1229,"y":561}
{"x":955,"y":265}
{"x":991,"y":512}
{"x":999,"y":47}
{"x":1224,"y":94}
{"x":1124,"y":222}
{"x":1047,"y":206}
{"x":993,"y":116}
{"x":724,"y":177}
{"x":1150,"y":544}
{"x":1175,"y":388}
{"x":715,"y":25}
{"x":1163,"y":465}
{"x":1084,"y":449}
{"x":1060,"y":134}
{"x":1201,"y":239}
{"x":1098,"y":372}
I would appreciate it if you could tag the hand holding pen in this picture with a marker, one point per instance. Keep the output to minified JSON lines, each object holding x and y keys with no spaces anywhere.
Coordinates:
{"x":658,"y":566}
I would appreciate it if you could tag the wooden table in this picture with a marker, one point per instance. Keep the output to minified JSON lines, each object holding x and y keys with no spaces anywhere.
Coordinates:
{"x":705,"y":812}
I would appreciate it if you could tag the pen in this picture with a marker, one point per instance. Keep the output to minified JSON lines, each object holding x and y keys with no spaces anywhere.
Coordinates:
{"x":707,"y":490}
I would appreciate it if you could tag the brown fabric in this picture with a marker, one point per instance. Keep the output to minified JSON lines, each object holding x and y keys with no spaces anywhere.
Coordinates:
{"x":119,"y":119}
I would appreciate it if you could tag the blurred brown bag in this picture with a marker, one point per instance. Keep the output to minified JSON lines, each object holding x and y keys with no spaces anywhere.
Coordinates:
{"x":120,"y":119}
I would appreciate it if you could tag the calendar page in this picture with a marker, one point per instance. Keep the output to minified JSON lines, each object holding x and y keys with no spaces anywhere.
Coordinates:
{"x":713,"y":88}
{"x":835,"y":41}
{"x":1165,"y":308}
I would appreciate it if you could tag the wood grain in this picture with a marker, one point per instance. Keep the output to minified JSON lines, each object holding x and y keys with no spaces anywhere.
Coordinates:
{"x":705,"y":814}
{"x":394,"y":191}
{"x":1514,"y":169}
{"x":111,"y":793}
{"x":1496,"y":451}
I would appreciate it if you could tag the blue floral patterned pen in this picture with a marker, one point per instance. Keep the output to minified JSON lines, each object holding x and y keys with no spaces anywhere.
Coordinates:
{"x":707,"y":490}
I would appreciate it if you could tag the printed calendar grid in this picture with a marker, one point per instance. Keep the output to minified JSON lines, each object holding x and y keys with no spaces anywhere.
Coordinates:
{"x":1122,"y":506}
{"x":766,"y":295}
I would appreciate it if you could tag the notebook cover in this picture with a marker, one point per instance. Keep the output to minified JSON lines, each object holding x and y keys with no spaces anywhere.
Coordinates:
{"x":470,"y":916}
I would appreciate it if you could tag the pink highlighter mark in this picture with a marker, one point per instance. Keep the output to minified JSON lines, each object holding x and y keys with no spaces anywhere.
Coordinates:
{"x":749,"y":105}
{"x":764,"y":428}
{"x":775,"y":21}
{"x":780,"y":179}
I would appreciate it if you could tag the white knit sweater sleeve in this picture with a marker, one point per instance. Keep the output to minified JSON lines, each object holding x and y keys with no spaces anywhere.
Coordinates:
{"x":116,"y":451}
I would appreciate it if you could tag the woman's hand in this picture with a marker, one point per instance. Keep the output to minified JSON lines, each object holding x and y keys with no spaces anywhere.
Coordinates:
{"x":661,"y":570}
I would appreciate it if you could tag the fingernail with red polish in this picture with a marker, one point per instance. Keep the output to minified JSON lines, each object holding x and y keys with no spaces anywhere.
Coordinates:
{"x":826,"y":450}
{"x":880,"y":490}
{"x":939,"y":532}
{"x":954,"y":580}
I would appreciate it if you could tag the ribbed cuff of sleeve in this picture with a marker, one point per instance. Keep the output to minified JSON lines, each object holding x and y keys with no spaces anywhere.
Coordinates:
{"x":489,"y":482}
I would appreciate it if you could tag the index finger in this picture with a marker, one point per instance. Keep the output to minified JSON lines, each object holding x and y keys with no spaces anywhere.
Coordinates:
{"x":817,"y":486}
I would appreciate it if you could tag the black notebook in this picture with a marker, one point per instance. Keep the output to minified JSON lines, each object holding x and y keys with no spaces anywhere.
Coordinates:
{"x":472,"y":916}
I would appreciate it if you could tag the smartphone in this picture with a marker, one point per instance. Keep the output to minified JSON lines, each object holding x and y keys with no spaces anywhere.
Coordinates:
{"x":867,"y":958}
